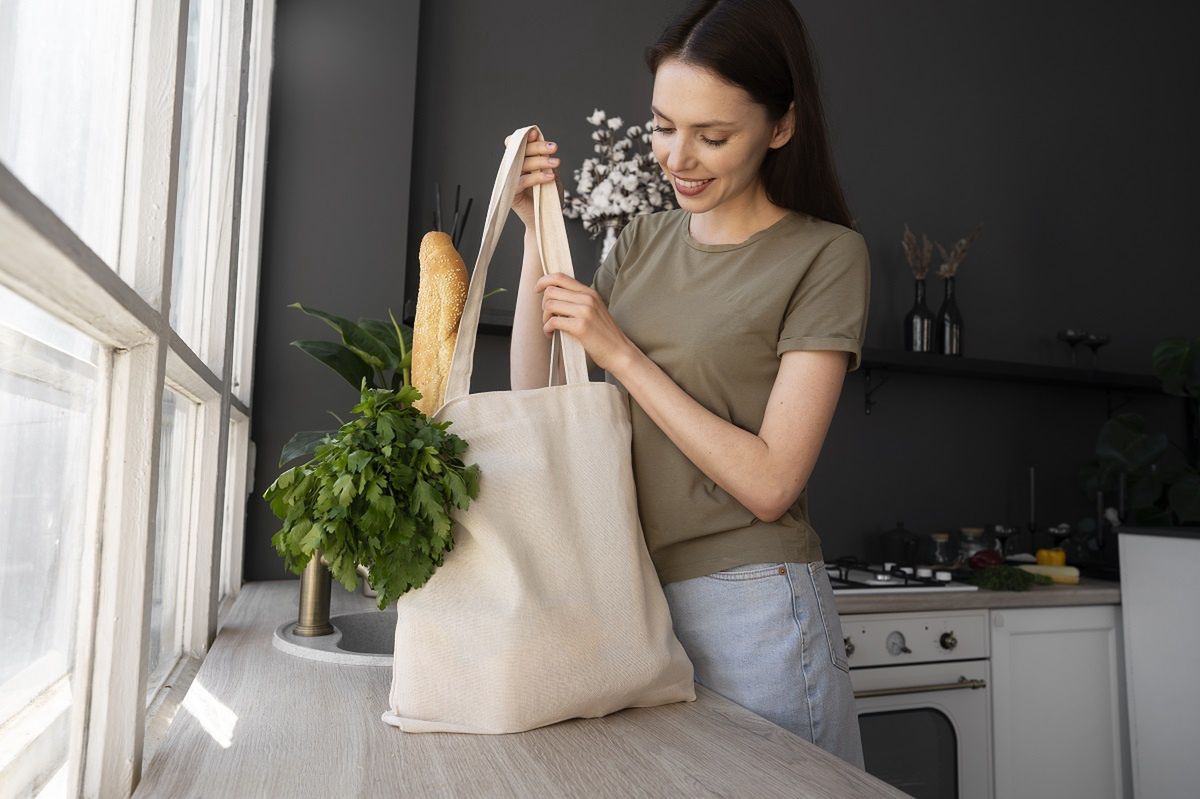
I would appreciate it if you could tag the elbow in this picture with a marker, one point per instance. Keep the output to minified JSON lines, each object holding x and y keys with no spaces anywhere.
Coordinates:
{"x":772,"y":507}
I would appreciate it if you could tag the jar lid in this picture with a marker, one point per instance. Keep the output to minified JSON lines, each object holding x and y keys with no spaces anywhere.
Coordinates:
{"x":940,"y":536}
{"x":971,"y":532}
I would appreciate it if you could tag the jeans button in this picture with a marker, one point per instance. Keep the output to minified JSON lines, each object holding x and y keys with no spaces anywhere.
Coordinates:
{"x":783,"y":569}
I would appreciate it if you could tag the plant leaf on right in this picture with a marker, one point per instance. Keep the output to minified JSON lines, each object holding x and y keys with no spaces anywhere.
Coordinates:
{"x":1162,"y":479}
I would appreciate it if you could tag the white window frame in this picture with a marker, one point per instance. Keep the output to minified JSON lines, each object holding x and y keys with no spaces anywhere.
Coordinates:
{"x":125,"y":306}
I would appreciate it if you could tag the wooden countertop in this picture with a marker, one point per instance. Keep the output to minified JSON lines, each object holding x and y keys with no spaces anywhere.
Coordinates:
{"x":259,"y":722}
{"x":1090,"y":591}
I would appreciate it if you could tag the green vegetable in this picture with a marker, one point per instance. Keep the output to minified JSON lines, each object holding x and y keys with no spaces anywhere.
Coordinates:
{"x":1007,"y":578}
{"x":378,"y":491}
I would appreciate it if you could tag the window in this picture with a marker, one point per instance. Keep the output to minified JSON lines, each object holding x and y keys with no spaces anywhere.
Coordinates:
{"x":64,"y":106}
{"x":177,"y":441}
{"x":116,"y":395}
{"x":237,"y":490}
{"x":50,"y":385}
{"x":203,"y":213}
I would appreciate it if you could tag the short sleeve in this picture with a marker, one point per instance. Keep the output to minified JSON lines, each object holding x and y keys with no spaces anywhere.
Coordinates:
{"x":828,"y":309}
{"x":606,"y":275}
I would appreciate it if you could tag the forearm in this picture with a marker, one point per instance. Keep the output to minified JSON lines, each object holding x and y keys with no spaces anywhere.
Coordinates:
{"x":529,"y":353}
{"x":735,"y":459}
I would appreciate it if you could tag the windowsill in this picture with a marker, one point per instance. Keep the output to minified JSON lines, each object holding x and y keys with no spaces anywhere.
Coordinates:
{"x":249,"y":701}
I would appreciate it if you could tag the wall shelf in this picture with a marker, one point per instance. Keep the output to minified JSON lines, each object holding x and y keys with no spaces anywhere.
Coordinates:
{"x":876,"y":360}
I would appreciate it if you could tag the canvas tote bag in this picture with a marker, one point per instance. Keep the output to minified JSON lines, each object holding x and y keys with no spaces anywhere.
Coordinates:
{"x":548,"y":607}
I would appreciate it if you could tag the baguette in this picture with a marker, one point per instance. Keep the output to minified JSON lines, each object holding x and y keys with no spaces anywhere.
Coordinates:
{"x":441,"y":294}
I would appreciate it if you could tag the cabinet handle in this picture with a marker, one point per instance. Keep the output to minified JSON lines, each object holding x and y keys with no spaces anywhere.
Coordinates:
{"x":963,"y":683}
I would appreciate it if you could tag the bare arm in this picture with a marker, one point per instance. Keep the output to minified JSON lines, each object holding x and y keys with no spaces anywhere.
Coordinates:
{"x":765,"y":472}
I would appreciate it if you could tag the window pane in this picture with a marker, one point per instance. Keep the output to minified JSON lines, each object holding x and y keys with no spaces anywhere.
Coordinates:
{"x":172,"y":525}
{"x":64,"y":103}
{"x":203,"y":212}
{"x":235,"y":504}
{"x":49,"y":391}
{"x":253,"y":175}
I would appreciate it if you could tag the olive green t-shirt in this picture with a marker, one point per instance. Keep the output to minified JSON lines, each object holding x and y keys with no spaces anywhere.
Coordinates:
{"x":717,"y":319}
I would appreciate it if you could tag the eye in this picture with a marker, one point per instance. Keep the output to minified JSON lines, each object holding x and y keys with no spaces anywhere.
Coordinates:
{"x":708,"y":141}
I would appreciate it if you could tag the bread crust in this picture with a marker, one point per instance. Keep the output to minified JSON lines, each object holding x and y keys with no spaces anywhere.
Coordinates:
{"x":441,"y":295}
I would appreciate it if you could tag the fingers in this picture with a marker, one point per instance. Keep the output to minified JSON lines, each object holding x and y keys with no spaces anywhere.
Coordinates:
{"x":540,"y":147}
{"x":532,"y":179}
{"x":539,"y":162}
{"x":551,"y":308}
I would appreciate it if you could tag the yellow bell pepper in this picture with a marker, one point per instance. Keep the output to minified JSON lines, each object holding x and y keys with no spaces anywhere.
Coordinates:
{"x":1056,"y":556}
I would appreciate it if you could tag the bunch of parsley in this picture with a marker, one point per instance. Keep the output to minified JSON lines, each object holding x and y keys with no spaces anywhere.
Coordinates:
{"x":378,"y":491}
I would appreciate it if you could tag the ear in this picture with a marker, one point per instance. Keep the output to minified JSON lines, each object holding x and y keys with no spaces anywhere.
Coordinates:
{"x":785,"y":127}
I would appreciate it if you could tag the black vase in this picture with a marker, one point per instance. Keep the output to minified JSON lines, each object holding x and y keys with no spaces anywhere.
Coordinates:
{"x":949,"y":323}
{"x":919,"y":322}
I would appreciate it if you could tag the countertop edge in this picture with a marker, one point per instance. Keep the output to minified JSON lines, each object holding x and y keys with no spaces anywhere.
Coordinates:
{"x":1089,"y":592}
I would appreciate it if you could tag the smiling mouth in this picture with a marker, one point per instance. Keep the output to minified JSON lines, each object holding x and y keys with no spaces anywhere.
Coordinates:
{"x":692,"y":184}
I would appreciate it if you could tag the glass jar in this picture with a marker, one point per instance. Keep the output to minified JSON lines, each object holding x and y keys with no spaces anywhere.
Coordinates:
{"x":972,"y":542}
{"x":942,"y":556}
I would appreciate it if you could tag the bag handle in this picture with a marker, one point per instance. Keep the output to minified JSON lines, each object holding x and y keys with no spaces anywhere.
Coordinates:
{"x":551,"y":235}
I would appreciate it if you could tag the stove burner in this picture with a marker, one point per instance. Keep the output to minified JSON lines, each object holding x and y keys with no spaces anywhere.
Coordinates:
{"x":851,"y":574}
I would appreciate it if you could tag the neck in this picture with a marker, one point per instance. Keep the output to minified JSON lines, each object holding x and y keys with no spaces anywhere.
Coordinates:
{"x":736,"y":219}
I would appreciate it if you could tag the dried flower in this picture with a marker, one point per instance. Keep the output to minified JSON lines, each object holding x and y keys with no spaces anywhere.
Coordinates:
{"x":952,"y":260}
{"x":918,"y":258}
{"x":623,"y":182}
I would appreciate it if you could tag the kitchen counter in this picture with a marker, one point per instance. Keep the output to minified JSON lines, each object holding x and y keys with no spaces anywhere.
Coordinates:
{"x":259,"y":722}
{"x":1090,"y":591}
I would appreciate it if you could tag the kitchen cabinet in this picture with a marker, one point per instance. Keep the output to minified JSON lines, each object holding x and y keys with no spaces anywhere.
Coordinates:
{"x":1058,"y":707}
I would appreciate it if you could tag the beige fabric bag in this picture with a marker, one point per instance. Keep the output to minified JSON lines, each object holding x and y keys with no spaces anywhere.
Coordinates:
{"x":548,"y":607}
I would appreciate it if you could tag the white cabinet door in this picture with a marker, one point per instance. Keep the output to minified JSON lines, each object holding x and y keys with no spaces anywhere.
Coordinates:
{"x":1058,"y":711}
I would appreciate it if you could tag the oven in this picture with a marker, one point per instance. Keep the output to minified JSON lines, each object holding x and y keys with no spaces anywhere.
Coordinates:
{"x":924,"y":706}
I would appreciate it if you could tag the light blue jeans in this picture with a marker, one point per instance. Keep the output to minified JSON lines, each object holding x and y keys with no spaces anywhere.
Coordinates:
{"x":767,"y":636}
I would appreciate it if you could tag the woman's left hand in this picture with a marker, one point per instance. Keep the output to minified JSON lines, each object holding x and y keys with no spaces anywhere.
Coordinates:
{"x":574,"y":308}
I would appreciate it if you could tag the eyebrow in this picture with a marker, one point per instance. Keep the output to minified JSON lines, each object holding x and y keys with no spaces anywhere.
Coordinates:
{"x":712,"y":123}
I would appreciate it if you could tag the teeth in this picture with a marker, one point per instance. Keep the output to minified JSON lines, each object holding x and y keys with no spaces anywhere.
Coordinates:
{"x":691,"y":184}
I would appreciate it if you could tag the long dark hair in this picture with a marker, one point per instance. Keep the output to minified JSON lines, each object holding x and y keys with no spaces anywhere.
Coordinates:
{"x":762,"y":47}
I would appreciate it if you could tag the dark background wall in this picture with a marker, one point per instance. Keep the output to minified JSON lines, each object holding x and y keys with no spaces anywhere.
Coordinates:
{"x":1064,"y":132}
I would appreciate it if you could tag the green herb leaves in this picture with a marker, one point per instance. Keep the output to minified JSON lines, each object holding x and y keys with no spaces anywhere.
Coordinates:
{"x":379,"y":492}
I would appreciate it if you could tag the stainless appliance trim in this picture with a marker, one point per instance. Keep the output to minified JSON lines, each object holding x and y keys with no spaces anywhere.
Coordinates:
{"x":962,"y":684}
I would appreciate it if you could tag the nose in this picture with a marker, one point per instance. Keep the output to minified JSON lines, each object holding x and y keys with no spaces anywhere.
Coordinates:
{"x":679,"y":158}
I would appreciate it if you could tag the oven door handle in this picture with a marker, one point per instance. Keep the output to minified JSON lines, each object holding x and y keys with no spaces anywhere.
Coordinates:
{"x":963,"y":683}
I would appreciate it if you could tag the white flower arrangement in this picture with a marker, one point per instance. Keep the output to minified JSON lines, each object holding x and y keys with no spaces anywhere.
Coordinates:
{"x":623,"y":182}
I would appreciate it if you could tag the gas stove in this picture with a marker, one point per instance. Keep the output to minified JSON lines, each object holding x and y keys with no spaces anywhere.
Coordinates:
{"x":851,"y":576}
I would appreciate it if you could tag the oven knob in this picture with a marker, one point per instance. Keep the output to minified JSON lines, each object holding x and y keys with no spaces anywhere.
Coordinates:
{"x":948,"y":641}
{"x":924,"y":572}
{"x":849,"y":646}
{"x":896,"y":644}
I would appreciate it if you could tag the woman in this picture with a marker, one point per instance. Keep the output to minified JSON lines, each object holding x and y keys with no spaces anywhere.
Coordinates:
{"x":731,"y":323}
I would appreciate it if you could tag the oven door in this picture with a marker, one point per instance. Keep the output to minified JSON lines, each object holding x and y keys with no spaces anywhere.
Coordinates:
{"x":927,"y":728}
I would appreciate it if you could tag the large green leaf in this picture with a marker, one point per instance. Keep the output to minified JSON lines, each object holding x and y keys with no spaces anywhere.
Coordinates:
{"x":357,"y":339}
{"x":1177,"y":365}
{"x":1124,"y":439}
{"x":303,"y":444}
{"x":1184,"y":497}
{"x":385,"y":333}
{"x":340,"y":359}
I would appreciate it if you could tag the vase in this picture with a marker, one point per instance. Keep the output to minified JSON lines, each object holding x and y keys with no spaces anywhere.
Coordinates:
{"x":949,"y":323}
{"x":612,"y":228}
{"x":919,"y":322}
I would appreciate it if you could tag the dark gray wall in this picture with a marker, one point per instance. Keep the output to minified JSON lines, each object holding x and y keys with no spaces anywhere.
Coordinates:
{"x":1065,"y":134}
{"x":335,"y":214}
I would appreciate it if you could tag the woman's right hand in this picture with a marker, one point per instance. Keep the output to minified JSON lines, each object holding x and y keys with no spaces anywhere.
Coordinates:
{"x":540,"y":166}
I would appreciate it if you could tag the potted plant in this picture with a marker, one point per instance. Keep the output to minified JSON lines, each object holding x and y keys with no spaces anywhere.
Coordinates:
{"x":1159,"y":480}
{"x":378,"y":490}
